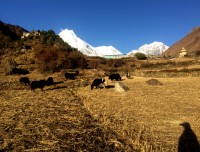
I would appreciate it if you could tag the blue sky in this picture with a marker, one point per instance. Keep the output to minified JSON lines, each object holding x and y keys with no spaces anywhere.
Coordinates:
{"x":124,"y":24}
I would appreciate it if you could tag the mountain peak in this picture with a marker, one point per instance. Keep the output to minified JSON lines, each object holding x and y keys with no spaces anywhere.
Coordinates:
{"x":107,"y":50}
{"x":72,"y":39}
{"x":67,"y":30}
{"x":155,"y":48}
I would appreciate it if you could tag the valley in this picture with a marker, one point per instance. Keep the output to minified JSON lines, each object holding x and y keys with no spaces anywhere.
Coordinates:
{"x":163,"y":91}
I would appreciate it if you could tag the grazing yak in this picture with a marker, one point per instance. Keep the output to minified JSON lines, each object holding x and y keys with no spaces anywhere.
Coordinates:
{"x":97,"y":82}
{"x":24,"y":80}
{"x":71,"y":75}
{"x":37,"y":84}
{"x":49,"y":81}
{"x":115,"y":76}
{"x":19,"y":71}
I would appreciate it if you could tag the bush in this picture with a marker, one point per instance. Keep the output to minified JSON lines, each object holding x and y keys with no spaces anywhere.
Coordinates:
{"x":76,"y":60}
{"x":46,"y":59}
{"x":110,"y":63}
{"x":118,"y":63}
{"x":51,"y":59}
{"x":8,"y":64}
{"x":49,"y":38}
{"x":140,"y":56}
{"x":94,"y":64}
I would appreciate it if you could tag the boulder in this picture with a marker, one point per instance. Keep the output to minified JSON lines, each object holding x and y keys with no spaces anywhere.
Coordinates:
{"x":120,"y":87}
{"x":154,"y":82}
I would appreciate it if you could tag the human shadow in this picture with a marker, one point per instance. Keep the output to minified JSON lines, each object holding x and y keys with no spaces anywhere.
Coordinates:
{"x":188,"y":141}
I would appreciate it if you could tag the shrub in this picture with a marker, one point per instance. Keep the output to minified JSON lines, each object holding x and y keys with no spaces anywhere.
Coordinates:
{"x":76,"y":60}
{"x":118,"y":63}
{"x":94,"y":64}
{"x":110,"y":63}
{"x":46,"y":59}
{"x":8,"y":64}
{"x":51,"y":59}
{"x":140,"y":56}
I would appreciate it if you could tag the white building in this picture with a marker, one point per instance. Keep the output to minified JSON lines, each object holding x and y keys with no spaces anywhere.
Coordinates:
{"x":183,"y":53}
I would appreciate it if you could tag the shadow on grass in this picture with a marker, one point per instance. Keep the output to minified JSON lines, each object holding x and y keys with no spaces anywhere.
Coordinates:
{"x":109,"y":86}
{"x":56,"y":87}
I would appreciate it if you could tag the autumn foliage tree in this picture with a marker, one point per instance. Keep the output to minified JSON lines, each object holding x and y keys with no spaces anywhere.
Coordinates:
{"x":52,"y":59}
{"x":76,"y":60}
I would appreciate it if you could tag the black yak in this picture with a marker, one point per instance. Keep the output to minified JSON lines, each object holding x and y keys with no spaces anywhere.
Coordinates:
{"x":24,"y":80}
{"x":19,"y":71}
{"x":49,"y":81}
{"x":37,"y":84}
{"x":115,"y":76}
{"x":71,"y":75}
{"x":96,"y":83}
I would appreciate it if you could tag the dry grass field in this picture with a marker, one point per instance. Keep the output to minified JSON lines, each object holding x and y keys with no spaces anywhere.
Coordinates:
{"x":70,"y":117}
{"x":149,"y":115}
{"x":51,"y":120}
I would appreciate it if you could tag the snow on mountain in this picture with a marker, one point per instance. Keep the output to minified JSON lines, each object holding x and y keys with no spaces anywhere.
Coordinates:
{"x":70,"y":37}
{"x":74,"y":41}
{"x":107,"y":50}
{"x":154,"y":49}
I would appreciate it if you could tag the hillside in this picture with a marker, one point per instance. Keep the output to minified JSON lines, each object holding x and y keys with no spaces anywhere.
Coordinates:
{"x":191,"y":42}
{"x":13,"y":31}
{"x":42,"y":50}
{"x":11,"y":41}
{"x":8,"y":35}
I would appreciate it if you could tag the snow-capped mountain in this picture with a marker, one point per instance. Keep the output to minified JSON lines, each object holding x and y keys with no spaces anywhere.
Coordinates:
{"x":70,"y":37}
{"x":154,"y":49}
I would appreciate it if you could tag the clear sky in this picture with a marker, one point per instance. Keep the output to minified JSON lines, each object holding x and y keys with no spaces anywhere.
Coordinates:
{"x":124,"y":24}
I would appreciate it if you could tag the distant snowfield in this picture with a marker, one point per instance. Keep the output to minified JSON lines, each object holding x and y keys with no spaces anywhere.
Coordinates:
{"x":74,"y":41}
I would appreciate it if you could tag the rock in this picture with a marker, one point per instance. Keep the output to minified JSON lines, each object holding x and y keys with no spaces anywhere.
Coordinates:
{"x":154,"y":82}
{"x":120,"y":87}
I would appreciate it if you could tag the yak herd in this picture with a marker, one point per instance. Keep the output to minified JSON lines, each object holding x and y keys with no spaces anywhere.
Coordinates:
{"x":97,"y":83}
{"x":42,"y":83}
{"x":36,"y":84}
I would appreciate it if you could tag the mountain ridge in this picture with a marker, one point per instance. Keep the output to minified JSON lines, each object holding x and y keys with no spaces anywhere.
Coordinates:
{"x":191,"y":42}
{"x":12,"y":32}
{"x":72,"y":39}
{"x":154,"y":49}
